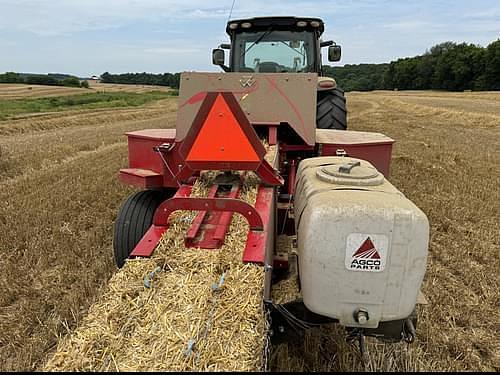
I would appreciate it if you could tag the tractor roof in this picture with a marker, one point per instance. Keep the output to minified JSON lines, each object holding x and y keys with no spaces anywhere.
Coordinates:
{"x":284,"y":23}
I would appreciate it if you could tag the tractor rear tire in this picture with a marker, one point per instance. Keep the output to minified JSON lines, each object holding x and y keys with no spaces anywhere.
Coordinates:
{"x":134,"y":219}
{"x":331,"y":110}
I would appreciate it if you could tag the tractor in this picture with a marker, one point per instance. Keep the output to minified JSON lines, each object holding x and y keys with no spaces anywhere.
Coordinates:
{"x":286,"y":45}
{"x":356,"y":244}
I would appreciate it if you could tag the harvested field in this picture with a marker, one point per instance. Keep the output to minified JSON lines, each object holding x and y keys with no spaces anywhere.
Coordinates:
{"x":15,"y":109}
{"x":447,"y":160}
{"x":59,"y":196}
{"x":78,"y":118}
{"x":19,"y":90}
{"x":58,"y":199}
{"x":37,"y":143}
{"x":115,"y":87}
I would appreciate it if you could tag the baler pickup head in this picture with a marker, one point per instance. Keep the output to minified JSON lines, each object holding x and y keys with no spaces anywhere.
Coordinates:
{"x":221,"y":138}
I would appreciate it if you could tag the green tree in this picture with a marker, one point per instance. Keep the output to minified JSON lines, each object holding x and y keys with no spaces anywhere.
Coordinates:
{"x":492,"y":66}
{"x":11,"y":77}
{"x":41,"y":80}
{"x":71,"y":82}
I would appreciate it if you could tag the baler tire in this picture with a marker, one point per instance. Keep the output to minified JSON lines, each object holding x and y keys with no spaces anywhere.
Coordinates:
{"x":331,"y":112}
{"x":134,"y":219}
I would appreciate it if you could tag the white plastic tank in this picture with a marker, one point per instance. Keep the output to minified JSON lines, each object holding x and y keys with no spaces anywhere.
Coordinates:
{"x":362,"y":245}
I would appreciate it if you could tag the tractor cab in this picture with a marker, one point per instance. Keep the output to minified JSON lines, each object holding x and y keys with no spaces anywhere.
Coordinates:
{"x":275,"y":45}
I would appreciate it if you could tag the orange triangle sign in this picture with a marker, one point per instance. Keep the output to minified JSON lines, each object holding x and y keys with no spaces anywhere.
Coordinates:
{"x":221,"y":138}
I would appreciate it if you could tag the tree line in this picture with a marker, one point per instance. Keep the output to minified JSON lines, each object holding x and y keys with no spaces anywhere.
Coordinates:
{"x":163,"y":79}
{"x":446,"y":66}
{"x":359,"y":77}
{"x":43,"y":79}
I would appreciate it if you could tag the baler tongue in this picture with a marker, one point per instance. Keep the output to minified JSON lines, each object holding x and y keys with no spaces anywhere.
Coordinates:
{"x":221,"y":138}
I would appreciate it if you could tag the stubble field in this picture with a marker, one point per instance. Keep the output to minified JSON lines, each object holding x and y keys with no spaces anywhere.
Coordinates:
{"x":20,"y":90}
{"x":59,"y":195}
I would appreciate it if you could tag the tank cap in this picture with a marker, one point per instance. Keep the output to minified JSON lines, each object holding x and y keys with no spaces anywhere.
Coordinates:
{"x":350,"y":172}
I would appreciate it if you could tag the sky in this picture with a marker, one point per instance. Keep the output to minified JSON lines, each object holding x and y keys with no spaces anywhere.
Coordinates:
{"x":89,"y":37}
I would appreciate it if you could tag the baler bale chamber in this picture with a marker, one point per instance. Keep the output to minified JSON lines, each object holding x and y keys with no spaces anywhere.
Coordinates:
{"x":326,"y":219}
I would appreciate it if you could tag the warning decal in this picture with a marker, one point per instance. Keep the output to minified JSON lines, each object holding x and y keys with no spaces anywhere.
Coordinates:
{"x":366,"y":252}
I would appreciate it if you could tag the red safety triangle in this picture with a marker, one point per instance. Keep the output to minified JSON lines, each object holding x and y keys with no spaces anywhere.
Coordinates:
{"x":221,"y":138}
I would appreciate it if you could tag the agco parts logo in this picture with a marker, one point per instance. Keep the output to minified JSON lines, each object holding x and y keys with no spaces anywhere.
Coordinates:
{"x":366,"y":252}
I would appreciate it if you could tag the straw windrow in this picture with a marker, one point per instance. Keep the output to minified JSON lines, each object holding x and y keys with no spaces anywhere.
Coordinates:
{"x":203,"y":310}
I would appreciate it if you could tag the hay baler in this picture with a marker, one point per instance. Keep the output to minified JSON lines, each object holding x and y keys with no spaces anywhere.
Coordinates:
{"x":325,"y":212}
{"x":361,"y":245}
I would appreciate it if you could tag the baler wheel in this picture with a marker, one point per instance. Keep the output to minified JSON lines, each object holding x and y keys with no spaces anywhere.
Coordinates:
{"x":331,"y":110}
{"x":134,"y":219}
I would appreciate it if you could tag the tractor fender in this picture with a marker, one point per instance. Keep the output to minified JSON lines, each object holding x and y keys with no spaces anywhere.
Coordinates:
{"x":326,"y":83}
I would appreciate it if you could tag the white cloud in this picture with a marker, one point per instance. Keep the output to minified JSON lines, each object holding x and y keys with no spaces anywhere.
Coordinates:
{"x":172,"y":50}
{"x":488,"y":13}
{"x":57,"y":17}
{"x":411,"y":25}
